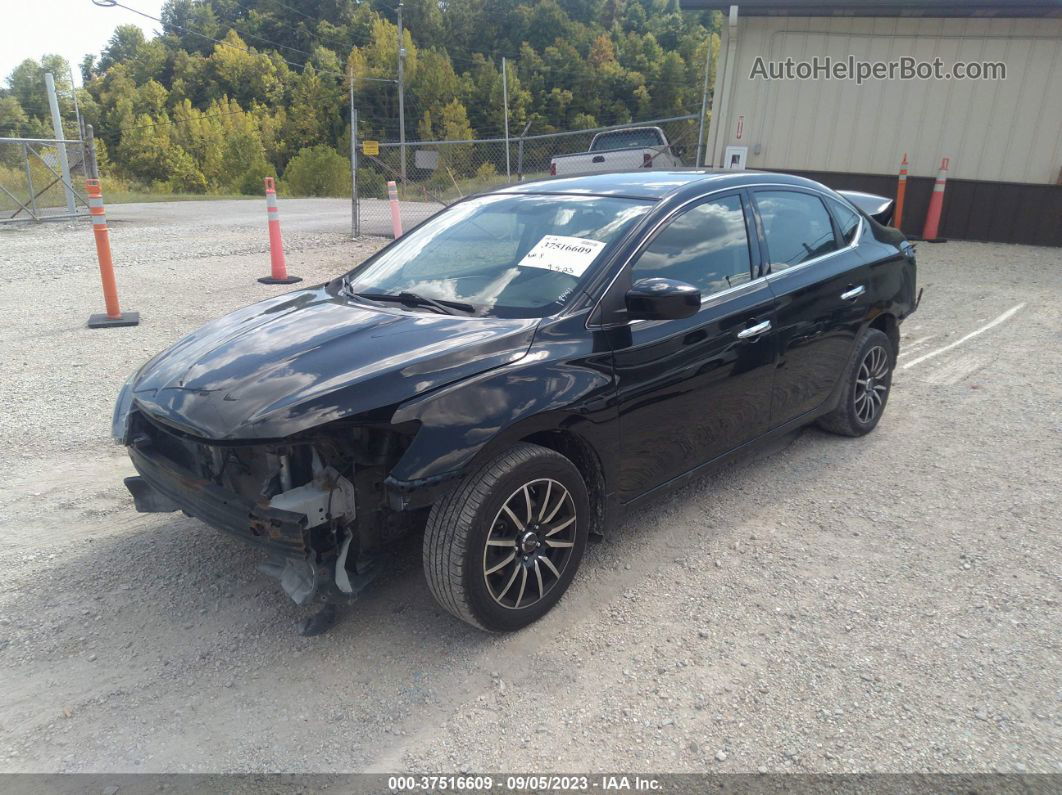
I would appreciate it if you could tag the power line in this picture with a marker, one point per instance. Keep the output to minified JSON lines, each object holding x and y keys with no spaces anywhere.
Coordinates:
{"x":313,"y":37}
{"x":183,"y":121}
{"x":296,"y":10}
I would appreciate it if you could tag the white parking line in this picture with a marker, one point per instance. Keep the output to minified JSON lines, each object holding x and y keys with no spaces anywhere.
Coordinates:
{"x":1005,"y":316}
{"x":908,"y":346}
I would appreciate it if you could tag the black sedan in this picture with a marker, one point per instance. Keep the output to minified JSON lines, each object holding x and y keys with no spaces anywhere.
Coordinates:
{"x":516,"y":371}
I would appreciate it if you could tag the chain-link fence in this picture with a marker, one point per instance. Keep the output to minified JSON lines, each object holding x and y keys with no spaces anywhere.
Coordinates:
{"x":32,"y":185}
{"x":433,"y":174}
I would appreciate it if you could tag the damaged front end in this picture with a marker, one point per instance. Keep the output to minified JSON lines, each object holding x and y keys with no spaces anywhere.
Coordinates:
{"x":313,"y":501}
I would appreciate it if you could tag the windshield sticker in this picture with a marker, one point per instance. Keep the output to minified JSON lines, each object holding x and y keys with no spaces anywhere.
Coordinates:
{"x":571,"y":255}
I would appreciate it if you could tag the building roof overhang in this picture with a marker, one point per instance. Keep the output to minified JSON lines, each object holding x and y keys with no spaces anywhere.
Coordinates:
{"x":887,"y":8}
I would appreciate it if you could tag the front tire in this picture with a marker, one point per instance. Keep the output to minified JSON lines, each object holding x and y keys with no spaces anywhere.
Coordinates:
{"x":868,"y":381}
{"x":502,"y":548}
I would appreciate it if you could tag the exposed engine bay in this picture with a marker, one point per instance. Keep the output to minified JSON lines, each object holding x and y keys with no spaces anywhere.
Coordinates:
{"x":315,"y":502}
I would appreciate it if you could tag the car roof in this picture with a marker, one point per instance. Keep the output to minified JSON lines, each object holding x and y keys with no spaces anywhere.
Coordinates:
{"x":651,"y":184}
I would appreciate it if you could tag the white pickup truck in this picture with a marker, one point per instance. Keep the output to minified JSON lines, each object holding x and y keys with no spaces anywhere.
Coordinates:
{"x":619,"y":150}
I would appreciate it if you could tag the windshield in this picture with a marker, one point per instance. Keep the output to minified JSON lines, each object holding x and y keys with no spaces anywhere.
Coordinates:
{"x":501,"y":255}
{"x":626,"y":139}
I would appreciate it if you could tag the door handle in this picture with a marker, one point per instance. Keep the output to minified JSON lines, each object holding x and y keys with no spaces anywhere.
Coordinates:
{"x":853,"y":292}
{"x":754,"y":331}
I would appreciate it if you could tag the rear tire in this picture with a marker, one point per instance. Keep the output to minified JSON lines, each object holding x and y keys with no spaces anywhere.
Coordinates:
{"x":867,"y":383}
{"x":502,"y":548}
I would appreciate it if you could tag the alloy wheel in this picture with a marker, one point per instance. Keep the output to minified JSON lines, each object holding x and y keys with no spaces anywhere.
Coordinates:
{"x":530,"y":543}
{"x":872,"y":384}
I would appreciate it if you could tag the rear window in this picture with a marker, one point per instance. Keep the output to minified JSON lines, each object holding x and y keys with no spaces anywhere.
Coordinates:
{"x":626,"y":139}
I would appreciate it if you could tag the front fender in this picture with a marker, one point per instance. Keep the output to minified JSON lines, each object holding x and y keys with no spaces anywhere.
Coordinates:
{"x":565,"y":382}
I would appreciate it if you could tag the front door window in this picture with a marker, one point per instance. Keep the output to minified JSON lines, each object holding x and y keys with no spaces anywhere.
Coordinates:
{"x":706,"y":246}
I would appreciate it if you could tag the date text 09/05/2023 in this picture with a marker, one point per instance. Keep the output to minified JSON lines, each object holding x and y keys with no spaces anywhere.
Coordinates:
{"x":482,"y":783}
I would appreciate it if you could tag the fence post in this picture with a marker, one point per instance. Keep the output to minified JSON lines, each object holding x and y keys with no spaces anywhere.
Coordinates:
{"x":91,"y":166}
{"x":700,"y":159}
{"x":520,"y":154}
{"x":505,"y":102}
{"x":114,"y":316}
{"x":355,"y":221}
{"x":401,"y":96}
{"x":57,"y":130}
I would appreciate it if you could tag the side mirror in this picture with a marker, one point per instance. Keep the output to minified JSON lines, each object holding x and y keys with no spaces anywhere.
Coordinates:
{"x":662,"y":299}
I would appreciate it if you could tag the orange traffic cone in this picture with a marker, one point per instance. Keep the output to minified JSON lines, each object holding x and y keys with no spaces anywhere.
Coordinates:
{"x":936,"y":204}
{"x":279,"y":267}
{"x":114,"y":316}
{"x":901,"y":191}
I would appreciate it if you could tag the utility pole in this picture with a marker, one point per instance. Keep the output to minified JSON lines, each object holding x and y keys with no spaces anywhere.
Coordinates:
{"x":700,"y":159}
{"x":57,"y":131}
{"x":401,"y":98}
{"x":520,"y":156}
{"x":505,"y":100}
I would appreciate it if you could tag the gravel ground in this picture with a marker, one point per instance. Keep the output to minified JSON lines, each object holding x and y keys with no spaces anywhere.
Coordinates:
{"x":883,"y":604}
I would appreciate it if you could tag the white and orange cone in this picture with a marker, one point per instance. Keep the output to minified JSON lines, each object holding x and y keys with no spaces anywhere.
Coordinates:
{"x":396,"y":213}
{"x":936,"y":205}
{"x":901,"y":192}
{"x":114,"y":316}
{"x":278,"y":265}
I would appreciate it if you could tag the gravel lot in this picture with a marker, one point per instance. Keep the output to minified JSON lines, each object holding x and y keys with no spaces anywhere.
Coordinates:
{"x":883,"y":604}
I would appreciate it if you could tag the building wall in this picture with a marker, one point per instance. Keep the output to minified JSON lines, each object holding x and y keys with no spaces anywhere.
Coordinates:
{"x":999,"y":131}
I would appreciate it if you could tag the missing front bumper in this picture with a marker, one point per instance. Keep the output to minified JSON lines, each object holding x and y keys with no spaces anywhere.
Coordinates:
{"x":272,"y":528}
{"x":294,"y":526}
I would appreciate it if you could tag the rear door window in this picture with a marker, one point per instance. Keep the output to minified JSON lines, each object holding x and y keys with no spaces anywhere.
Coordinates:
{"x":796,"y":226}
{"x":847,"y":220}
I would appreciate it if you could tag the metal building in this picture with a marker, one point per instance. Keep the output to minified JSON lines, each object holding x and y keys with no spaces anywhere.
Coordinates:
{"x":1001,"y":135}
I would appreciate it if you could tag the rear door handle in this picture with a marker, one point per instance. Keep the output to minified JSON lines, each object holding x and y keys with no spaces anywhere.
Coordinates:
{"x":853,"y":292}
{"x":754,"y":331}
{"x":598,"y":159}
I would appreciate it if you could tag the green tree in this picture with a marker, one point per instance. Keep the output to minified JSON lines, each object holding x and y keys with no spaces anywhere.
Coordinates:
{"x":318,"y":171}
{"x":182,"y":111}
{"x":13,"y":120}
{"x":243,"y":73}
{"x":122,"y":46}
{"x":455,"y":127}
{"x":26,"y":84}
{"x":190,"y":24}
{"x":183,"y":175}
{"x":14,"y":123}
{"x":307,"y":123}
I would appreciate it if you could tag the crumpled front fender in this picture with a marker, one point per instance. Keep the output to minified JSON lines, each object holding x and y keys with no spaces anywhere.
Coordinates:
{"x":564,"y":383}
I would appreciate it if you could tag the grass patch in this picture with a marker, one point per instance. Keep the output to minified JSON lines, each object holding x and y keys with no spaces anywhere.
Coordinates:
{"x":130,"y":196}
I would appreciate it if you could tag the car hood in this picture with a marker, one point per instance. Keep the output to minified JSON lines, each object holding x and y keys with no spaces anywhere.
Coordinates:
{"x":302,"y":359}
